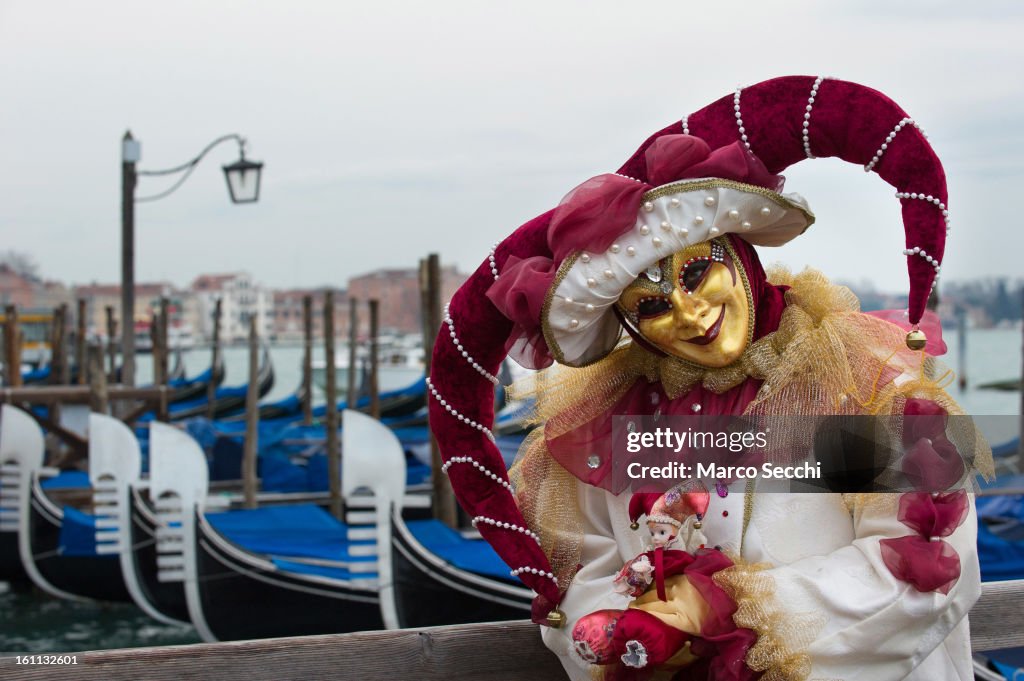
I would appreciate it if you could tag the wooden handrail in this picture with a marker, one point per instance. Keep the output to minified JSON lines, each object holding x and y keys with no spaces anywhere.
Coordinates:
{"x":511,"y":651}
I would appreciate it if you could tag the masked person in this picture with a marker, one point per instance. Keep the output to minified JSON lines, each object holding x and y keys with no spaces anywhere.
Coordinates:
{"x":643,"y":293}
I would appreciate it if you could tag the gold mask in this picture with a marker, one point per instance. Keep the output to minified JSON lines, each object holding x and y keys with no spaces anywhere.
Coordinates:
{"x":695,"y":304}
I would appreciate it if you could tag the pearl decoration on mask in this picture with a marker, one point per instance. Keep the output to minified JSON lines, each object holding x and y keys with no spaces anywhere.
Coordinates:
{"x":608,"y":274}
{"x":734,"y":214}
{"x":714,"y":230}
{"x":683,"y":231}
{"x":458,"y":346}
{"x":766,"y":211}
{"x":454,"y":412}
{"x":589,"y":307}
{"x":888,"y":140}
{"x":746,"y":226}
{"x":657,"y":242}
{"x":614,"y":248}
{"x":645,"y":230}
{"x":930,"y":199}
{"x":574,"y":323}
{"x":667,"y":226}
{"x":585,"y":258}
{"x":709,"y":201}
{"x":807,"y":116}
{"x":630,"y":251}
{"x":648,"y":206}
{"x":480,"y":467}
{"x":490,"y":258}
{"x":506,"y":526}
{"x":674,"y":203}
{"x":591,"y":282}
{"x":698,"y":220}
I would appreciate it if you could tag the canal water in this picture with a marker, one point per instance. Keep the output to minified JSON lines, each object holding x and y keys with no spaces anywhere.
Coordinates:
{"x":33,"y":623}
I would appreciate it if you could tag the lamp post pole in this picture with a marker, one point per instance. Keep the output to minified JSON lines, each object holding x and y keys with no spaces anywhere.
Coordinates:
{"x":129,"y":157}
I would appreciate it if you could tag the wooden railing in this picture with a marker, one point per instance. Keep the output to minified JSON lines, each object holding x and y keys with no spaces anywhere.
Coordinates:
{"x":509,"y":651}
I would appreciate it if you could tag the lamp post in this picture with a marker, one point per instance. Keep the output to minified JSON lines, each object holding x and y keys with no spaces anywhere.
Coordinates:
{"x":243,"y":179}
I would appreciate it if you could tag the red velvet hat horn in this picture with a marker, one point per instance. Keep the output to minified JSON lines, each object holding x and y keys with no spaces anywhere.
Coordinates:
{"x":783,"y":120}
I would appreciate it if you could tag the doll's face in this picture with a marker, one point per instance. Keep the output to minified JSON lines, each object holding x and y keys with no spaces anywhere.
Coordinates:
{"x":661,"y":533}
{"x":698,"y":308}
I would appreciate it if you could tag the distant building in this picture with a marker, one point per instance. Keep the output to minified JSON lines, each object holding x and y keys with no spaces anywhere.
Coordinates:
{"x":399,"y":294}
{"x":15,"y":288}
{"x":100,"y":296}
{"x":288,"y":320}
{"x":241,"y":299}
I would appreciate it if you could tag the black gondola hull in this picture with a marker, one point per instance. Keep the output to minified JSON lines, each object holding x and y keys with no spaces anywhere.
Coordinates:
{"x":167,"y":598}
{"x":243,"y":597}
{"x":428,"y":593}
{"x":96,"y":577}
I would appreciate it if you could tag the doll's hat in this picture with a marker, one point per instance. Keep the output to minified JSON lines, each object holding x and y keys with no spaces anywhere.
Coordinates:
{"x":681,"y":501}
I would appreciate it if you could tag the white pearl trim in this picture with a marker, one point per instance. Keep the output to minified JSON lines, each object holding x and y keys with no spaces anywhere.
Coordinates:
{"x":888,"y":140}
{"x":930,"y":199}
{"x":627,"y":177}
{"x":534,"y":571}
{"x":933,"y":261}
{"x":458,"y":346}
{"x":480,"y":467}
{"x":686,"y":124}
{"x":508,"y":526}
{"x":739,"y":118}
{"x":490,"y":258}
{"x":454,"y":412}
{"x":807,"y":116}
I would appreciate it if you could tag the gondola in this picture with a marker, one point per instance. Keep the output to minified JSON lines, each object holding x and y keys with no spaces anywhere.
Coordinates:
{"x":278,"y":571}
{"x":441,"y":577}
{"x":58,"y":545}
{"x":227,"y":400}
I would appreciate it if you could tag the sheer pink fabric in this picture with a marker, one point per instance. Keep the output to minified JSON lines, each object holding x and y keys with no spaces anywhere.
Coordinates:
{"x":924,"y":560}
{"x":519,"y":295}
{"x":930,"y":324}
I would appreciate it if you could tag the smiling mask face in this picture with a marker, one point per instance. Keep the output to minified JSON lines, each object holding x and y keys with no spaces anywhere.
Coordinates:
{"x":693,"y":305}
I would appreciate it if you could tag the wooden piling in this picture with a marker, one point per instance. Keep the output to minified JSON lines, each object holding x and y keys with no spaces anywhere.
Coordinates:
{"x":211,"y":389}
{"x":374,"y":359}
{"x":444,"y":507}
{"x":252,"y":409}
{"x":961,"y":350}
{"x":307,"y":359}
{"x":58,"y":360}
{"x":353,"y":336}
{"x":80,"y":343}
{"x":12,"y":349}
{"x":111,"y":344}
{"x":65,"y":363}
{"x":164,"y":339}
{"x":331,"y":421}
{"x":98,"y":381}
{"x":156,"y":350}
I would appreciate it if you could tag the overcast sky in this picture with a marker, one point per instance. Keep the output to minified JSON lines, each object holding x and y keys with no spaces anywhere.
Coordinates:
{"x":390,"y":129}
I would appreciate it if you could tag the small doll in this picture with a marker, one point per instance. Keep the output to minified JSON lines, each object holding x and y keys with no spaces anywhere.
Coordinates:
{"x":660,"y":621}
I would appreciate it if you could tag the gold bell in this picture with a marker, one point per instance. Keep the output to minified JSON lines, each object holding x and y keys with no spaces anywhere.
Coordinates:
{"x":916,"y":340}
{"x":697,"y":524}
{"x":556,"y":619}
{"x":634,"y":526}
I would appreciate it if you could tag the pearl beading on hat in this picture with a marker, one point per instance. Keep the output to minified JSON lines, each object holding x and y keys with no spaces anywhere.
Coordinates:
{"x":507,"y":526}
{"x":480,"y":467}
{"x":807,"y":116}
{"x":454,"y":412}
{"x":935,"y":201}
{"x":888,"y":140}
{"x":534,"y":571}
{"x":686,"y":125}
{"x":465,"y":354}
{"x":933,"y":261}
{"x":739,"y":117}
{"x":490,"y":258}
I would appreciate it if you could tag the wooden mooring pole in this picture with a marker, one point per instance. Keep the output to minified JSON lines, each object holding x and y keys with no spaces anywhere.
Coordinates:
{"x":374,"y":359}
{"x":331,"y":421}
{"x":111,"y":344}
{"x":98,"y":381}
{"x":211,"y":389}
{"x":58,"y":356}
{"x":81,"y":343}
{"x":307,"y":359}
{"x":252,"y":421}
{"x":165,"y":348}
{"x":12,"y":349}
{"x":352,"y":396}
{"x":445,"y":508}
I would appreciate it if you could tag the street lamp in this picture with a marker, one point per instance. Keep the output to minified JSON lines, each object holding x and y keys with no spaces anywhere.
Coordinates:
{"x":243,"y":179}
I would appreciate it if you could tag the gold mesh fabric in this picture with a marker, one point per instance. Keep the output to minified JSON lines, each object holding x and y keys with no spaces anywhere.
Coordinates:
{"x":782,"y":636}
